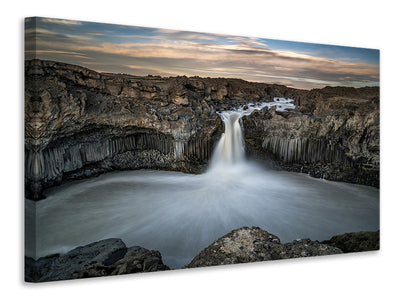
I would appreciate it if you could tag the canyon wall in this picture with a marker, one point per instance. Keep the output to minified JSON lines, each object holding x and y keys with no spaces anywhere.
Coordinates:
{"x":334,"y":134}
{"x":80,"y":123}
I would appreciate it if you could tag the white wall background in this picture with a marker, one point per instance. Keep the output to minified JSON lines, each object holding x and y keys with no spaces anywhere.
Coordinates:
{"x":372,"y":24}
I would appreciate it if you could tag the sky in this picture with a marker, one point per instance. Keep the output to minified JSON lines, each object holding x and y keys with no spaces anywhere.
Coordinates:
{"x":153,"y":51}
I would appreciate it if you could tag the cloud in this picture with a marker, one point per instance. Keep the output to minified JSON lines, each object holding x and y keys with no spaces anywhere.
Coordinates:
{"x":237,"y":54}
{"x":248,"y":41}
{"x":186,"y":35}
{"x":56,"y":52}
{"x":56,"y":38}
{"x":60,"y":21}
{"x":170,"y":52}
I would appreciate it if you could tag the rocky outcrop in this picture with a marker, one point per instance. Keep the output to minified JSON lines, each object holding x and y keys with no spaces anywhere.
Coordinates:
{"x":329,"y":136}
{"x":103,"y":258}
{"x":80,"y":123}
{"x":253,"y":244}
{"x":356,"y":241}
{"x":243,"y":245}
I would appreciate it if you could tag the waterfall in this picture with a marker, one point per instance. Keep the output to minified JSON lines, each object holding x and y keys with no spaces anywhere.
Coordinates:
{"x":230,"y":147}
{"x":229,"y":151}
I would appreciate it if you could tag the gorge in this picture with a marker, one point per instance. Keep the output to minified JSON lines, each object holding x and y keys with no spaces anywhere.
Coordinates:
{"x":179,"y":214}
{"x":192,"y":159}
{"x":80,"y":123}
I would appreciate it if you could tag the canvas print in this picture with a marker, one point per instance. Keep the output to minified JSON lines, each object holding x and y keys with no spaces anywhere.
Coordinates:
{"x":150,"y":149}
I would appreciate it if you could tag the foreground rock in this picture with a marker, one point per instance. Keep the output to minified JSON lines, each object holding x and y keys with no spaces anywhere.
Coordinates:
{"x":103,"y":258}
{"x":355,"y":241}
{"x":254,"y":244}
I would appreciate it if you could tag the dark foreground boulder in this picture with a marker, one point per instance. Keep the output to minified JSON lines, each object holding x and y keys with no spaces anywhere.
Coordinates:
{"x":355,"y":241}
{"x":254,"y":244}
{"x":103,"y":258}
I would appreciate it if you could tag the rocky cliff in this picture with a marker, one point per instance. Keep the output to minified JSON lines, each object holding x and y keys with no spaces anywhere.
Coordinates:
{"x":333,"y":134}
{"x":80,"y":123}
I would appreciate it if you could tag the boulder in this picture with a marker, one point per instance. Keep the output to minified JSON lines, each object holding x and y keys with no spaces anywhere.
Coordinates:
{"x":355,"y":241}
{"x":102,"y":258}
{"x":254,"y":244}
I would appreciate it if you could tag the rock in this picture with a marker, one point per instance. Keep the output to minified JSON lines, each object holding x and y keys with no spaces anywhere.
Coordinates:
{"x":336,"y":138}
{"x":254,"y":244}
{"x":102,"y":258}
{"x":36,"y":269}
{"x":356,"y":241}
{"x":79,"y":123}
{"x":221,"y":93}
{"x":181,"y":100}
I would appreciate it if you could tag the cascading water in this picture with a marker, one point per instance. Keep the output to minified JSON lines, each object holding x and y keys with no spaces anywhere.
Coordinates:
{"x":230,"y":148}
{"x":230,"y":152}
{"x":180,"y":214}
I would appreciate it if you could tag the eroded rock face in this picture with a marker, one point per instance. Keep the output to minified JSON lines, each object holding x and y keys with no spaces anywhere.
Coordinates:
{"x":103,"y":258}
{"x":331,"y":135}
{"x":80,"y":123}
{"x":254,"y":244}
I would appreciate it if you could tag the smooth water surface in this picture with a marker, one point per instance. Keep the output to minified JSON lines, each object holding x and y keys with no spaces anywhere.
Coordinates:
{"x":180,"y":214}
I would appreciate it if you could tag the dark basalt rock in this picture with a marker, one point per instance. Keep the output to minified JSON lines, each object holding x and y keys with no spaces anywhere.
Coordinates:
{"x":243,"y":245}
{"x":103,"y":258}
{"x":336,"y":139}
{"x":254,"y":244}
{"x":356,"y":241}
{"x":36,"y":269}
